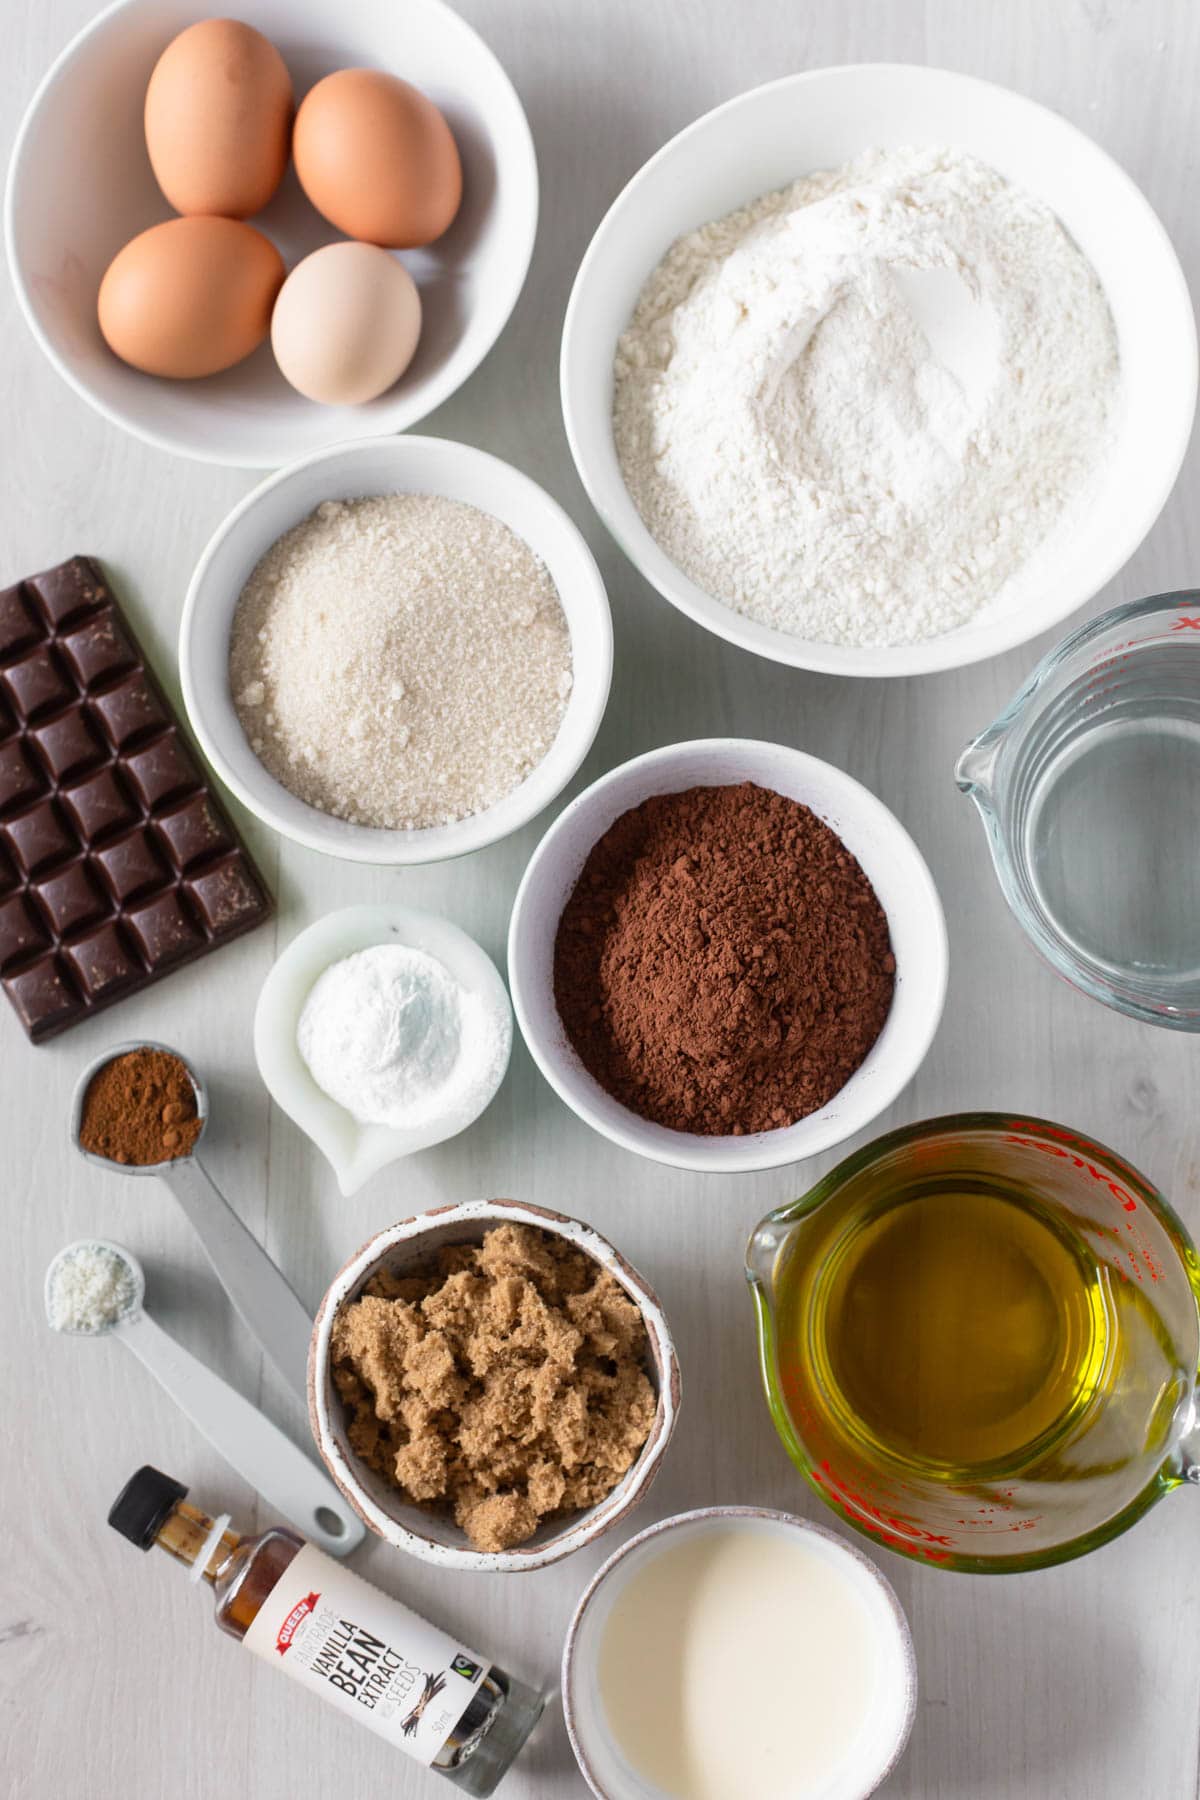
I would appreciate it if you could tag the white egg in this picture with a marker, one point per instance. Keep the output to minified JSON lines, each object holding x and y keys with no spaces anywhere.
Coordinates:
{"x":346,"y":324}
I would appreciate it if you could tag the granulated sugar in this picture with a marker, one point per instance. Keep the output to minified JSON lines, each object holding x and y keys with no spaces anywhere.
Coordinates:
{"x":400,"y":661}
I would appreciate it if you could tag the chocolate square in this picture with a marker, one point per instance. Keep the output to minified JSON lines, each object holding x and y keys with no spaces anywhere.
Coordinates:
{"x":73,"y":899}
{"x":63,"y":593}
{"x":37,"y":685}
{"x":20,"y":782}
{"x":99,"y":805}
{"x":68,"y":745}
{"x":44,"y":1000}
{"x":162,"y":771}
{"x":39,"y":838}
{"x":163,"y":931}
{"x":103,"y":963}
{"x":129,"y":711}
{"x":18,"y":627}
{"x":225,"y":895}
{"x":192,"y":832}
{"x":20,"y":932}
{"x":132,"y":866}
{"x":98,"y":651}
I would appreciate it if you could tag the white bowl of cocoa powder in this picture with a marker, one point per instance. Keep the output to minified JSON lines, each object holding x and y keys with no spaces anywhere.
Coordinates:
{"x":491,"y":1385}
{"x":684,"y":1050}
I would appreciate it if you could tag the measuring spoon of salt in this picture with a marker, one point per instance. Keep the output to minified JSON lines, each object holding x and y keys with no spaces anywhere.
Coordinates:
{"x":95,"y":1288}
{"x":260,"y":1293}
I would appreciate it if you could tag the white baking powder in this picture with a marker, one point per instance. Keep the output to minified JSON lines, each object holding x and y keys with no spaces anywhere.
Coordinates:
{"x":854,"y":409}
{"x":394,"y":1037}
{"x":90,"y":1289}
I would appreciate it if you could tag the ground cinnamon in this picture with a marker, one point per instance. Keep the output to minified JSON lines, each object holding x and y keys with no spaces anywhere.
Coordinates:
{"x":140,"y":1108}
{"x":723,"y":964}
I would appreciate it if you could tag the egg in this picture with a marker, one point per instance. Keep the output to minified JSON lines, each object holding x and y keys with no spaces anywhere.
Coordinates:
{"x":346,"y":324}
{"x":190,"y":297}
{"x":218,"y":119}
{"x":377,"y":159}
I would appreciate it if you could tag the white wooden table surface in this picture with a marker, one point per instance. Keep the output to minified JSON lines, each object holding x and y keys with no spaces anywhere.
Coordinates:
{"x":1082,"y":1681}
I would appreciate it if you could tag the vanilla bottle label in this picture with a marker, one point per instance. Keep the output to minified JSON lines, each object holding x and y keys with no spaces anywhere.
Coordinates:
{"x":372,"y":1658}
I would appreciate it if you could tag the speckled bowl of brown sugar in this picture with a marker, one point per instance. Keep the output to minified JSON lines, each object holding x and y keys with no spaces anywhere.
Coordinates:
{"x":346,"y":1391}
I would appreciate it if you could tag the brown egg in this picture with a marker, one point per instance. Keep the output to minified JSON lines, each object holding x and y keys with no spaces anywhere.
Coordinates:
{"x":377,"y":159}
{"x":218,"y":119}
{"x":190,"y":297}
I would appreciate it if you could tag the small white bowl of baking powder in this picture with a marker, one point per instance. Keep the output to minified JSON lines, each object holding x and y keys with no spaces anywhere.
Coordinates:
{"x":371,"y":1090}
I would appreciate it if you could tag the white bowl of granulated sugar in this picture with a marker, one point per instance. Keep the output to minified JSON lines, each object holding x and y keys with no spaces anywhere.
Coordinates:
{"x":879,"y":370}
{"x":396,"y":651}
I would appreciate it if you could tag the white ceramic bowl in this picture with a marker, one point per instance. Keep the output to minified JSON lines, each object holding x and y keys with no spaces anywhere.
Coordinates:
{"x":893,"y":865}
{"x":605,"y":1768}
{"x":415,"y":465}
{"x":356,"y":1151}
{"x":80,"y":186}
{"x":769,"y":137}
{"x":433,"y":1539}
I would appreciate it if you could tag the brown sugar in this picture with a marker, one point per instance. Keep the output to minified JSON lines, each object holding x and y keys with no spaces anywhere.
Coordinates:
{"x":504,"y":1385}
{"x":140,"y":1108}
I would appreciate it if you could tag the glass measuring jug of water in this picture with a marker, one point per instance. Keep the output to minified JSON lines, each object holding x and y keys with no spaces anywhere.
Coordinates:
{"x":979,"y":1340}
{"x":1088,"y":785}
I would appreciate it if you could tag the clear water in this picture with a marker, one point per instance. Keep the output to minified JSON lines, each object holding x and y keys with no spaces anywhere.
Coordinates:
{"x":1113,"y":839}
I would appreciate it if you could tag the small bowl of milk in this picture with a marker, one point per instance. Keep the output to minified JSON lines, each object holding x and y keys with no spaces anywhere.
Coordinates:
{"x":735,"y":1651}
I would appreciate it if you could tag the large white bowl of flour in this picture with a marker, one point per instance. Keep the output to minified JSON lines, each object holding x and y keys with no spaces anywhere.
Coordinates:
{"x":741,"y":460}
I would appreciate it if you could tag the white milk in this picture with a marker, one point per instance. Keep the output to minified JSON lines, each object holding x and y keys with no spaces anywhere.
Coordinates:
{"x":744,"y":1658}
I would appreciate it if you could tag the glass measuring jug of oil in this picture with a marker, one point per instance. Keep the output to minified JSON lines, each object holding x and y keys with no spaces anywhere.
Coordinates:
{"x":979,"y":1339}
{"x":1088,"y":785}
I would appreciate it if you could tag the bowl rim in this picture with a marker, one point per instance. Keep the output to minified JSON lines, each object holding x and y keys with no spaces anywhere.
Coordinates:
{"x":521,"y":146}
{"x":950,"y":650}
{"x":575,"y":1533}
{"x":763,"y":1150}
{"x":706,"y":1515}
{"x":378,"y":847}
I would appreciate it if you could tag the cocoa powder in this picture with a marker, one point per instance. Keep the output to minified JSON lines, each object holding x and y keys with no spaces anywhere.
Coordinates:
{"x":723,"y":965}
{"x":140,"y":1108}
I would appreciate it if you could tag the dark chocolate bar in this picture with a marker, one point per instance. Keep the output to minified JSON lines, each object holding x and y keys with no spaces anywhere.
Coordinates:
{"x":117,"y":862}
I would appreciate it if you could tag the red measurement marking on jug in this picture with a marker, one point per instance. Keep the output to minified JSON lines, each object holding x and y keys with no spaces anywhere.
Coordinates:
{"x":1119,"y":1192}
{"x":897,"y":1530}
{"x":1105,"y":666}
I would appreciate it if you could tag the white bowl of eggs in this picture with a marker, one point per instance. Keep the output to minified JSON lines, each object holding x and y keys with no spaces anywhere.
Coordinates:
{"x":246,"y":270}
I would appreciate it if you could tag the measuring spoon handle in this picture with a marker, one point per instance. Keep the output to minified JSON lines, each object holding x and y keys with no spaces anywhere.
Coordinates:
{"x":259,"y":1292}
{"x":248,"y":1441}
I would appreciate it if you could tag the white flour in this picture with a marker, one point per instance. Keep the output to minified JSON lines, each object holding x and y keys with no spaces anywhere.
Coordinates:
{"x":855,"y":408}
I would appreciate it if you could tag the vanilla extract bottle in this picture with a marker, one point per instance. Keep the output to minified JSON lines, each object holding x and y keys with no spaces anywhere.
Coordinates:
{"x":342,"y":1638}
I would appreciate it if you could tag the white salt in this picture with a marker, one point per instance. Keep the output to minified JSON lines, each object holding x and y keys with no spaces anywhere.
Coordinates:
{"x":90,"y":1289}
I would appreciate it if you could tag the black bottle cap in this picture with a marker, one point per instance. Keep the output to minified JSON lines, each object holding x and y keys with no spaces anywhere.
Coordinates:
{"x":143,"y":1504}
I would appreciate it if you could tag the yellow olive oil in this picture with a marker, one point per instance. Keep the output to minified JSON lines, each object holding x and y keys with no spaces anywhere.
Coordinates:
{"x":952,"y":1328}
